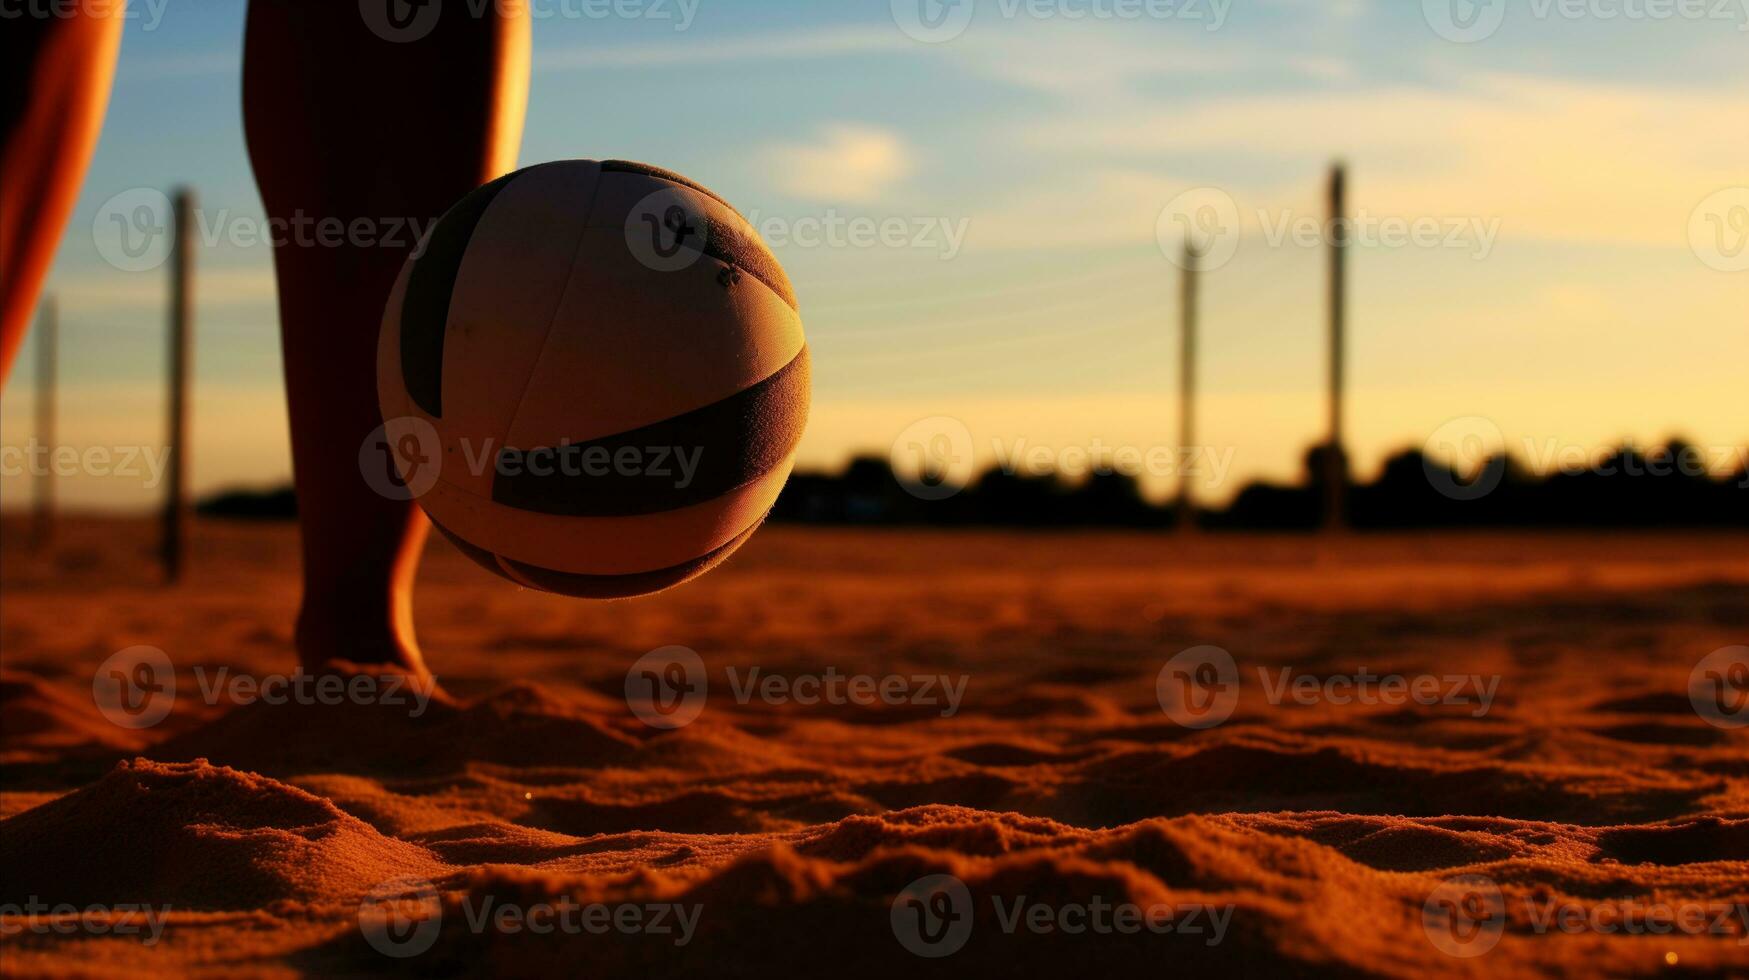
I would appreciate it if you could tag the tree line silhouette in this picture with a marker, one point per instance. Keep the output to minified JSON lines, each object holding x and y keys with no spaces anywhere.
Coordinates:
{"x":1663,"y":487}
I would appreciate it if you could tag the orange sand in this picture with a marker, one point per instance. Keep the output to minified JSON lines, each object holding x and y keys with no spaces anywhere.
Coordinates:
{"x":1592,"y":782}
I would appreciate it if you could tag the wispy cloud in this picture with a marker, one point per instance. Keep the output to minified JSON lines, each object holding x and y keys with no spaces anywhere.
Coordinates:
{"x":1546,"y":156}
{"x":847,"y":163}
{"x":786,"y":46}
{"x":1089,"y":61}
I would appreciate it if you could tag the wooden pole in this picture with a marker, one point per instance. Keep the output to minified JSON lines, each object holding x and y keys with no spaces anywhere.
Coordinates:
{"x":47,"y":342}
{"x":1336,"y":454}
{"x":1187,"y":303}
{"x":181,"y":337}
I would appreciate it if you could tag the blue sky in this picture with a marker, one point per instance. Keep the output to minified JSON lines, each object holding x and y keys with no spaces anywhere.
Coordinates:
{"x":1572,"y":150}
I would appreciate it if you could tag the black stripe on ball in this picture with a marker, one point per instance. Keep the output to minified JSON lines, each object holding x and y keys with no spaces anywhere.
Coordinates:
{"x":733,"y":245}
{"x":597,"y":586}
{"x":732,"y":442}
{"x":431,"y":284}
{"x":479,"y":556}
{"x":626,"y":586}
{"x":662,"y":173}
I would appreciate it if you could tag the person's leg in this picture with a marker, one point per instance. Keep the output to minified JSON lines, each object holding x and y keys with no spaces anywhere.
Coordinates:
{"x":345,"y":124}
{"x":55,"y":72}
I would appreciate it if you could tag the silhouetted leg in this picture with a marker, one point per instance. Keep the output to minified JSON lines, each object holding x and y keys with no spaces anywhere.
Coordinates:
{"x":55,"y":73}
{"x":342,"y":123}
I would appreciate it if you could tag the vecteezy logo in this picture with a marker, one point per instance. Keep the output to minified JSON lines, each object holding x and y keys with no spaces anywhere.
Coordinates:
{"x":932,"y":917}
{"x":1464,"y":21}
{"x":939,"y":450}
{"x":1203,"y":221}
{"x":133,"y":230}
{"x":667,"y":231}
{"x":1472,"y":444}
{"x":135,"y":687}
{"x":402,"y":458}
{"x":401,"y":917}
{"x":933,"y":21}
{"x":400,"y":21}
{"x":1465,"y":916}
{"x":669,"y":235}
{"x":1718,"y":230}
{"x":1719,"y":687}
{"x":1199,"y":688}
{"x":667,"y":687}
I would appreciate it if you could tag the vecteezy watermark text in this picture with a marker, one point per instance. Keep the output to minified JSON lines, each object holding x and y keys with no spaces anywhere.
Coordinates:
{"x":938,"y":21}
{"x":403,"y":458}
{"x":144,"y":463}
{"x":942,"y":235}
{"x":1470,"y":21}
{"x":839,"y":689}
{"x":65,"y":919}
{"x":680,"y":463}
{"x":149,"y":13}
{"x":1200,"y":688}
{"x":222,"y":686}
{"x":940,"y":452}
{"x":1718,"y":229}
{"x":406,"y":21}
{"x":668,"y":687}
{"x":1206,"y":225}
{"x":137,"y":688}
{"x":134,"y":230}
{"x":1466,"y":916}
{"x":1479,"y":450}
{"x":933,"y":917}
{"x":1718,"y":687}
{"x":402,"y":918}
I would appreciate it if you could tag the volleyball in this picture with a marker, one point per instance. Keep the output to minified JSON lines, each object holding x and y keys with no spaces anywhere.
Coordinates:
{"x":593,"y":378}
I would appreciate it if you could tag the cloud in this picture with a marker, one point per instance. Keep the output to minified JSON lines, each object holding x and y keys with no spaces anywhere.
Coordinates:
{"x":1071,"y":58}
{"x":848,"y":163}
{"x":1089,"y":62}
{"x":1553,"y":160}
{"x":1335,"y":9}
{"x":108,"y":291}
{"x":685,"y":51}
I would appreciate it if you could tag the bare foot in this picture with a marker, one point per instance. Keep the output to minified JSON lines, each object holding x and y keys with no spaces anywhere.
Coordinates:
{"x":343,"y":638}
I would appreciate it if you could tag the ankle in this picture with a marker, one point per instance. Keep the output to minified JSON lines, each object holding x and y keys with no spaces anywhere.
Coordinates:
{"x":367,"y":634}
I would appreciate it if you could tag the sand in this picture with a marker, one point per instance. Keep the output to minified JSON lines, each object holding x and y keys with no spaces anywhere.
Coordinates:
{"x":776,"y":837}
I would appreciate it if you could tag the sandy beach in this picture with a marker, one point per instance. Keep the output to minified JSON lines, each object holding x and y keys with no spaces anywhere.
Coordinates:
{"x":1021,"y":744}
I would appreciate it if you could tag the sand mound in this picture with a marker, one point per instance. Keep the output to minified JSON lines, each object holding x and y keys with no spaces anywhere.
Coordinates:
{"x":1311,"y":837}
{"x":787,"y":909}
{"x":406,"y":735}
{"x":195,"y":836}
{"x":1283,"y":772}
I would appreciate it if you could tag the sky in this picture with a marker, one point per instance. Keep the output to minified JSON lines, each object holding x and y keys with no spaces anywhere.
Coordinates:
{"x":1552,"y":205}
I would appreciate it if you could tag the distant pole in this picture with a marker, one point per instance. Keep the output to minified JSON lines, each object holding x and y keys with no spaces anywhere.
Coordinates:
{"x":181,"y":337}
{"x":1187,"y":386}
{"x":1336,"y":457}
{"x":47,"y":340}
